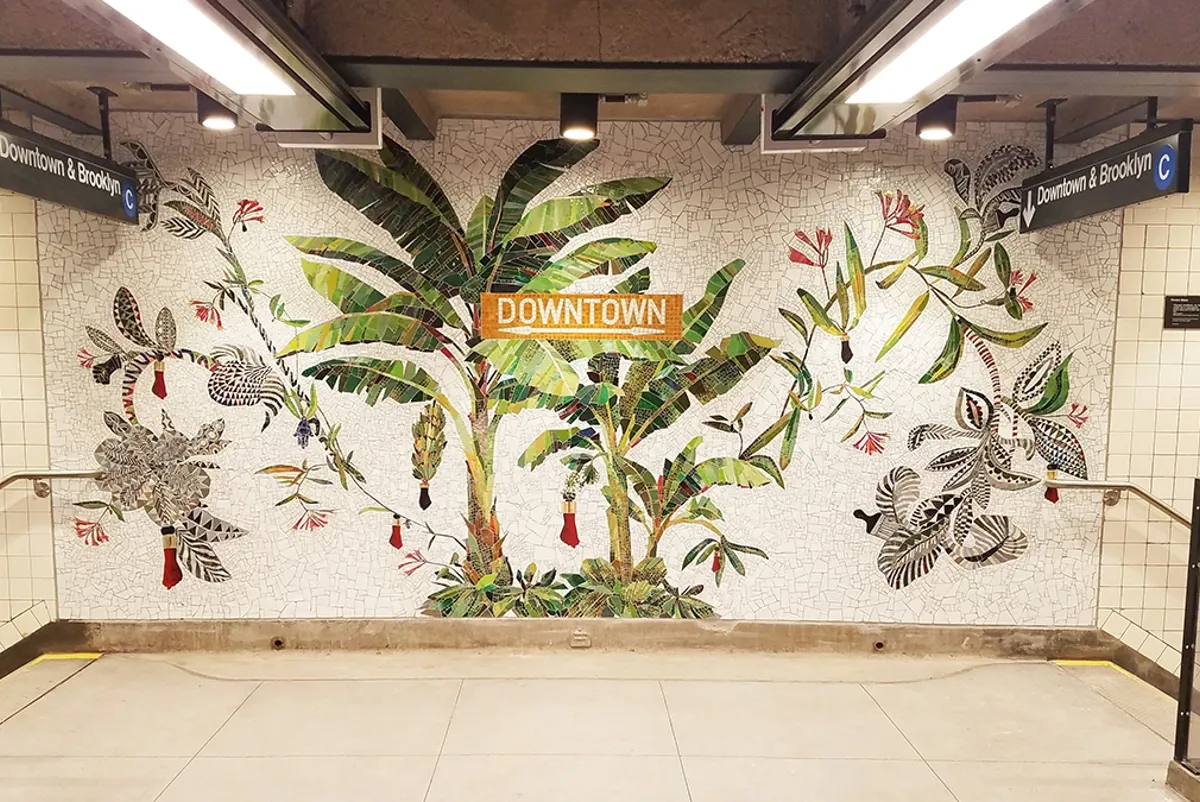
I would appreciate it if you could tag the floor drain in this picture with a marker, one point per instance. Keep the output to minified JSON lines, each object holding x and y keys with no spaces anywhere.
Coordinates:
{"x":277,"y":644}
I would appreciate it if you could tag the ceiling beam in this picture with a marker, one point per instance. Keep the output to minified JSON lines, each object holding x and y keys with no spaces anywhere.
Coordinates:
{"x":411,"y":113}
{"x":611,"y":78}
{"x":742,"y":120}
{"x":501,"y":76}
{"x":82,"y":66}
{"x":1081,"y":119}
{"x":55,"y":106}
{"x":1073,"y":81}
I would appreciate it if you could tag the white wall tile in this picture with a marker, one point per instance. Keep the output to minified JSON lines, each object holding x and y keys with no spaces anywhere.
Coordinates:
{"x":1153,"y":429}
{"x":23,"y":429}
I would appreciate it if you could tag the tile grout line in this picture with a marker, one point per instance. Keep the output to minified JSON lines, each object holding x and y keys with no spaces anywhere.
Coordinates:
{"x":1077,"y":678}
{"x":47,"y":692}
{"x":687,"y":786}
{"x":207,"y":741}
{"x":907,"y":740}
{"x":442,"y":746}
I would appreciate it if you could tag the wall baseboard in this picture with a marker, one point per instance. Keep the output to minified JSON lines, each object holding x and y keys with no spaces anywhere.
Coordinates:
{"x":1183,"y":782}
{"x":1048,"y":643}
{"x":600,"y":633}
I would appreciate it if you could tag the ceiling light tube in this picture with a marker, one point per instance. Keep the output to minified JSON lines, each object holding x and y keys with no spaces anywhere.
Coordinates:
{"x":182,"y":26}
{"x":939,"y":120}
{"x":955,"y":38}
{"x":577,"y":115}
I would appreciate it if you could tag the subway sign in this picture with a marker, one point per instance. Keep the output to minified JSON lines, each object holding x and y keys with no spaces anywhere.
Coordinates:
{"x":571,"y":316}
{"x":1148,"y":166}
{"x":42,"y":168}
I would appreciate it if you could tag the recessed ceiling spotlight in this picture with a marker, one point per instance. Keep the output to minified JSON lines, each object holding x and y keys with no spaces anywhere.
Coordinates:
{"x":578,"y":114}
{"x":939,"y":120}
{"x":212,"y":115}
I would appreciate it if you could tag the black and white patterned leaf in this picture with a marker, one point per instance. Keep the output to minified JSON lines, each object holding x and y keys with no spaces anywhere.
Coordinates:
{"x":961,"y":528}
{"x":897,"y":492}
{"x":239,"y":384}
{"x":1059,"y":446}
{"x":164,"y":329}
{"x":1000,"y":167}
{"x":960,"y":174}
{"x":907,"y":556}
{"x":184,"y":228}
{"x":201,"y":559}
{"x":927,"y":432}
{"x":1004,"y":479}
{"x":203,"y":195}
{"x":962,"y":479}
{"x":954,"y":458}
{"x":129,"y":318}
{"x":229,"y":352}
{"x":933,"y":513}
{"x":202,"y":525}
{"x":1031,"y":382}
{"x":991,"y":540}
{"x":974,"y":410}
{"x":103,"y":341}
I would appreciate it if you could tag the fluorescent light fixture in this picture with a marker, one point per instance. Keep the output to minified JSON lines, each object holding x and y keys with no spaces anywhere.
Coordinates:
{"x":182,"y":26}
{"x":954,"y":39}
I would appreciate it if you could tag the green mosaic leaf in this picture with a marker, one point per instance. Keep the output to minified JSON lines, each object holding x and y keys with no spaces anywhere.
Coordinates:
{"x":398,"y":271}
{"x":602,"y":257}
{"x":394,"y":380}
{"x":538,"y":166}
{"x":699,"y":317}
{"x":365,"y":327}
{"x":345,"y":291}
{"x":407,"y":204}
{"x":532,"y":362}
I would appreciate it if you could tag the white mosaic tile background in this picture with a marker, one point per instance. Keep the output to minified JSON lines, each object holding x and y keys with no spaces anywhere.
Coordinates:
{"x":722,"y":204}
{"x":27,"y":588}
{"x":1154,"y":438}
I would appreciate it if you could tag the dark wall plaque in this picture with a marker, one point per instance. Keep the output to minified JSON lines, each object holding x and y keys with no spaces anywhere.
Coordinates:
{"x":40,"y":167}
{"x":1151,"y":165}
{"x":1182,"y":312}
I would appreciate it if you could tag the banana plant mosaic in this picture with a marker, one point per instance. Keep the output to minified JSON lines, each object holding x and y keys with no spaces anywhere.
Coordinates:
{"x":610,"y":396}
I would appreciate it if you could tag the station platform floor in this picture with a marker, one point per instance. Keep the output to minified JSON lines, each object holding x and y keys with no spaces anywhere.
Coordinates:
{"x":435,"y":726}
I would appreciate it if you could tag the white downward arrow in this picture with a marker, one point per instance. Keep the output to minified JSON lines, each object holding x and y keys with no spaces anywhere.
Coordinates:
{"x":1029,"y":211}
{"x":633,"y":331}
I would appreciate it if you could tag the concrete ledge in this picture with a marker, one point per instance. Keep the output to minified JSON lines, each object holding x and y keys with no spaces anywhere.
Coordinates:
{"x":1183,"y":782}
{"x":1143,"y":667}
{"x":1039,"y":643}
{"x":433,"y":633}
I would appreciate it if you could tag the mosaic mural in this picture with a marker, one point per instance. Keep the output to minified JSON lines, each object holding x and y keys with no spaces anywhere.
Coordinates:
{"x":350,"y":318}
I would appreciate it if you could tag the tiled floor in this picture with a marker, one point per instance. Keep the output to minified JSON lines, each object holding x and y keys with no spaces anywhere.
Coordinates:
{"x":436,"y":727}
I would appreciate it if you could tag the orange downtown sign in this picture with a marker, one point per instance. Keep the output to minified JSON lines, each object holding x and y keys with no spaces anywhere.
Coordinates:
{"x":555,"y":316}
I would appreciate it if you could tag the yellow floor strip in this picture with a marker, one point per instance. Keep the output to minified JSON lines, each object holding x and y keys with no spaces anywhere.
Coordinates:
{"x":1102,"y":663}
{"x":66,"y":656}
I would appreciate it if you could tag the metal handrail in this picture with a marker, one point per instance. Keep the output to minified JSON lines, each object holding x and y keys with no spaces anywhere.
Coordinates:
{"x":1120,"y":487}
{"x":41,"y":487}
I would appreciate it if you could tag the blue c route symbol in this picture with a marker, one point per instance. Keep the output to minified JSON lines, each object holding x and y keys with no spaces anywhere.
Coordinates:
{"x":128,"y":198}
{"x":1164,"y":167}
